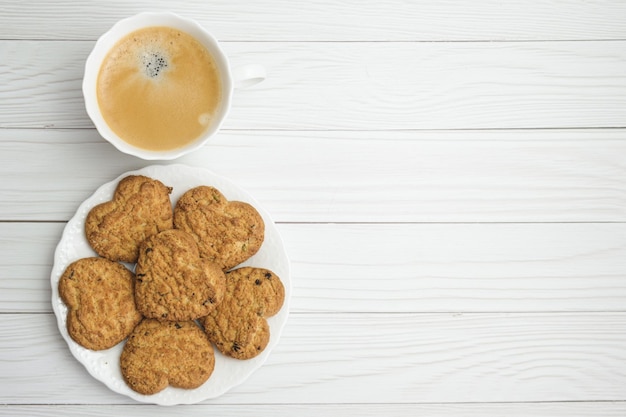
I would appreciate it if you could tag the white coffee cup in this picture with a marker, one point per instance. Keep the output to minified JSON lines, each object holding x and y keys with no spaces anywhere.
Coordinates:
{"x":244,"y":77}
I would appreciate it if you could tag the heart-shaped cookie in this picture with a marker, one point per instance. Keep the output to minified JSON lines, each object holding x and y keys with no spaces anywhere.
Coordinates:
{"x":238,"y":326}
{"x":158,"y":354}
{"x":100,"y":300}
{"x":140,"y":208}
{"x":173,"y":282}
{"x":227,"y":232}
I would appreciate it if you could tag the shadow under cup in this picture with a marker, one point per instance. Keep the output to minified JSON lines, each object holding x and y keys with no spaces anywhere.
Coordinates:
{"x":120,"y":31}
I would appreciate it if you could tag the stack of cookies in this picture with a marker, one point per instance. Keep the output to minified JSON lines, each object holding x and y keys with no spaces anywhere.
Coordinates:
{"x":187,"y":293}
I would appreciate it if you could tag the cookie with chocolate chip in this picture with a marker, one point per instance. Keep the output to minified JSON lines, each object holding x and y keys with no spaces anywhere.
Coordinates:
{"x":99,"y":295}
{"x":140,"y":208}
{"x":173,"y":282}
{"x":160,"y":354}
{"x":238,"y":326}
{"x":227,"y":232}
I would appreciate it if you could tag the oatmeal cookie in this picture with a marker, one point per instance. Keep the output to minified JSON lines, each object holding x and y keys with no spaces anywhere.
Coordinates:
{"x":173,"y":282}
{"x":227,"y":232}
{"x":158,"y":354}
{"x":100,"y":300}
{"x":140,"y":208}
{"x":238,"y":327}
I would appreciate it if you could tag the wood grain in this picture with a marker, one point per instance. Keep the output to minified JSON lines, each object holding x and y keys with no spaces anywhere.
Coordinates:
{"x":29,"y":256}
{"x":448,"y":178}
{"x":409,"y":358}
{"x":572,"y":409}
{"x":325,"y":20}
{"x":361,"y":85}
{"x":398,"y":268}
{"x":458,"y":267}
{"x":397,"y":176}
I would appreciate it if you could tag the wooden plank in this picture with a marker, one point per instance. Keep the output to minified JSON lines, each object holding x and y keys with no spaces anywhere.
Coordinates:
{"x":391,"y":176}
{"x":28,"y":256}
{"x":398,"y":267}
{"x":362,"y":86}
{"x":324,"y":20}
{"x":338,"y":358}
{"x":458,"y":267}
{"x":573,"y":409}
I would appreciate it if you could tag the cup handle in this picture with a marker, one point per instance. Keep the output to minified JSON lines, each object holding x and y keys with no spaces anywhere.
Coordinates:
{"x":246,"y":76}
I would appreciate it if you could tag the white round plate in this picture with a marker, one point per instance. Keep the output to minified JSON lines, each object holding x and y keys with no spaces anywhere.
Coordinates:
{"x":105,"y":365}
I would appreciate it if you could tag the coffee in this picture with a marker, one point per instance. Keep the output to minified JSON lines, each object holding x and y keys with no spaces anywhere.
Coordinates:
{"x":158,"y":88}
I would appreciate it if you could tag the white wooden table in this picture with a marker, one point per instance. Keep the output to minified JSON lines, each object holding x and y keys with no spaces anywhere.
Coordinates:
{"x":449,"y":178}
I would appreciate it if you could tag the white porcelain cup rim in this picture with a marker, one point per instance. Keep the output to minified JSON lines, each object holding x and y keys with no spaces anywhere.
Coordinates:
{"x":246,"y":76}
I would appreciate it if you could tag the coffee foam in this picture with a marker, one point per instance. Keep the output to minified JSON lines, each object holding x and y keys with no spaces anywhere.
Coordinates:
{"x":150,"y":55}
{"x":205,"y":119}
{"x":153,"y":63}
{"x":161,"y":87}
